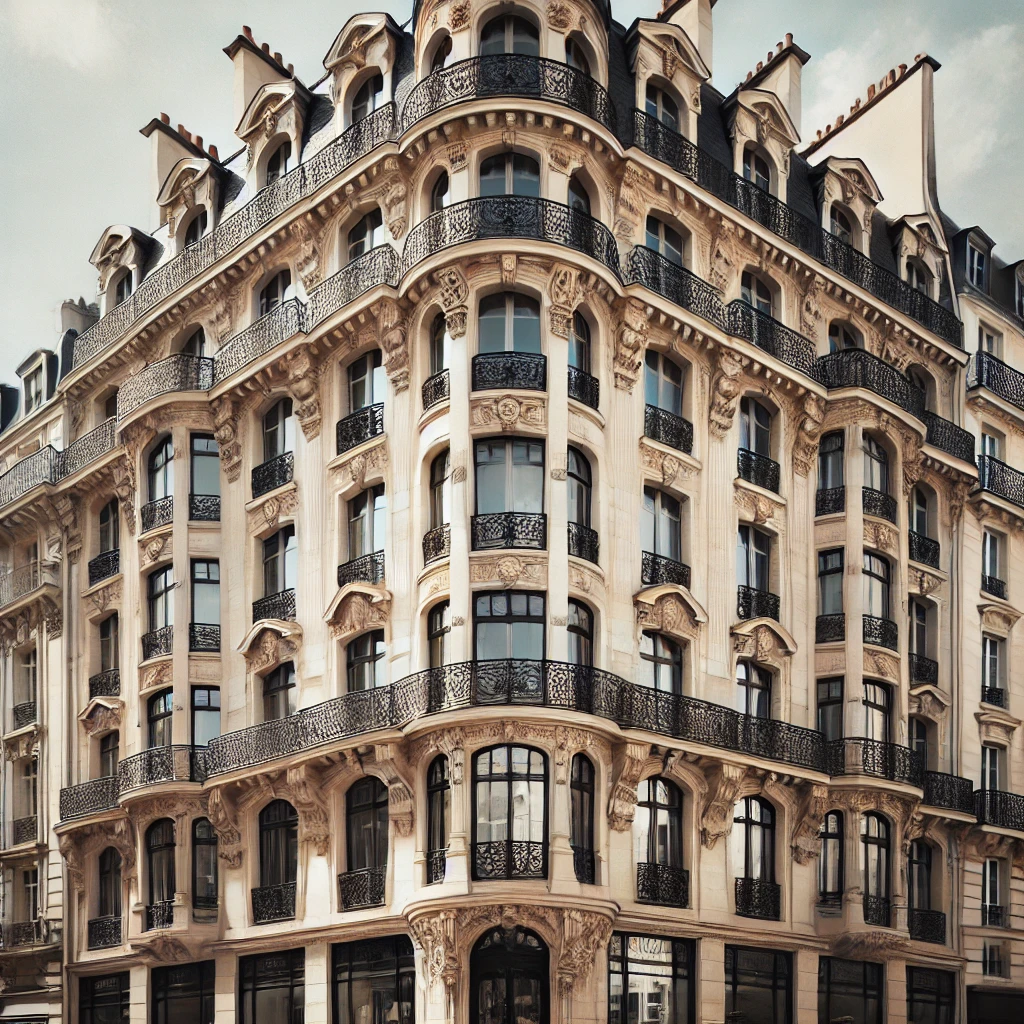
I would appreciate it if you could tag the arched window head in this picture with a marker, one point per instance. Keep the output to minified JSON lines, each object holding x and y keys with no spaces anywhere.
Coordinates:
{"x":840,"y":226}
{"x":876,"y":701}
{"x":510,"y":977}
{"x":368,"y":98}
{"x":440,"y":491}
{"x":159,"y":717}
{"x":439,"y":193}
{"x":280,"y":694}
{"x":439,"y":811}
{"x":160,"y":469}
{"x":842,"y":337}
{"x":661,"y":106}
{"x":196,"y":228}
{"x":195,"y":344}
{"x":277,"y":165}
{"x":580,"y":482}
{"x":439,"y":630}
{"x":279,"y":844}
{"x":665,"y":240}
{"x":579,"y":197}
{"x":510,"y":174}
{"x":367,"y":234}
{"x":579,"y":343}
{"x":755,"y":292}
{"x":440,"y":344}
{"x":661,"y":663}
{"x":509,"y":33}
{"x":442,"y":54}
{"x":580,"y":626}
{"x":123,"y":288}
{"x":366,"y":825}
{"x":830,"y":863}
{"x":581,"y":817}
{"x":275,"y":291}
{"x":576,"y":55}
{"x":756,"y":169}
{"x":919,"y":278}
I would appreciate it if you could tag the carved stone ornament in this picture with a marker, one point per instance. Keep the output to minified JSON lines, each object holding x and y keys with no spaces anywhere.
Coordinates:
{"x":805,"y":446}
{"x":393,"y":343}
{"x":564,"y":292}
{"x":630,"y":760}
{"x":225,"y":822}
{"x":457,"y":153}
{"x":273,"y":509}
{"x":304,"y":387}
{"x":629,"y":345}
{"x":869,"y":945}
{"x":24,"y":744}
{"x":104,"y":597}
{"x":305,"y":793}
{"x":160,"y":674}
{"x":308,"y":254}
{"x":508,"y":569}
{"x":725,"y":392}
{"x":458,"y":15}
{"x":103,"y":716}
{"x":881,"y":537}
{"x":668,"y":614}
{"x":997,"y":618}
{"x":155,"y":550}
{"x":387,"y":758}
{"x":759,"y":508}
{"x":163,"y":949}
{"x":806,"y":838}
{"x":922,"y":582}
{"x":717,"y":818}
{"x":269,"y":650}
{"x":585,"y":579}
{"x":882,"y":664}
{"x":560,"y":15}
{"x":225,"y":431}
{"x":669,"y":469}
{"x":509,"y":412}
{"x":124,"y":487}
{"x":435,"y":935}
{"x":359,"y":611}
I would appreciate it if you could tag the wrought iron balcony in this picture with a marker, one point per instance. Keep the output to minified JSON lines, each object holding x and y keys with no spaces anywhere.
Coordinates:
{"x":879,"y":504}
{"x":950,"y":791}
{"x":365,"y":569}
{"x":87,"y":798}
{"x":436,"y":389}
{"x":994,"y":807}
{"x":656,"y":570}
{"x":668,"y":428}
{"x":583,"y":542}
{"x":830,"y":629}
{"x":275,"y":606}
{"x":501,"y":217}
{"x":987,"y":371}
{"x":25,"y":713}
{"x":104,"y":932}
{"x":437,"y":862}
{"x":752,"y":603}
{"x":275,"y":472}
{"x":510,"y":858}
{"x":259,"y":338}
{"x":923,"y":670}
{"x":662,"y":884}
{"x":177,"y":763}
{"x":359,"y":426}
{"x":878,"y":911}
{"x":756,"y":897}
{"x":1001,"y":479}
{"x":881,"y":632}
{"x":927,"y":925}
{"x":27,"y":933}
{"x":377,"y":267}
{"x":509,"y":74}
{"x":583,"y":865}
{"x":948,"y":437}
{"x":994,"y":586}
{"x":157,"y":642}
{"x":19,"y":583}
{"x":510,"y":530}
{"x":771,"y":336}
{"x":180,"y":372}
{"x":362,"y":888}
{"x":677,"y":284}
{"x":584,"y":387}
{"x":155,"y":514}
{"x":159,"y":915}
{"x":527,"y":371}
{"x":993,"y":915}
{"x":857,"y":368}
{"x":24,"y":830}
{"x":105,"y":684}
{"x":104,"y":565}
{"x":757,"y":469}
{"x":273,"y":903}
{"x":204,"y":508}
{"x":437,"y":544}
{"x":857,"y":755}
{"x":828,"y":501}
{"x":203,"y":636}
{"x":923,"y":549}
{"x":41,"y":467}
{"x":994,"y":695}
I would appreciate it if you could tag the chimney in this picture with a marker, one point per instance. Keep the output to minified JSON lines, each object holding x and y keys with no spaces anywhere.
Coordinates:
{"x":254,"y":68}
{"x":166,"y":149}
{"x":783,"y":72}
{"x":694,"y":18}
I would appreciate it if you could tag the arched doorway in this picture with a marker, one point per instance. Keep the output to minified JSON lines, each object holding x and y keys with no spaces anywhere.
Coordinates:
{"x":509,"y":978}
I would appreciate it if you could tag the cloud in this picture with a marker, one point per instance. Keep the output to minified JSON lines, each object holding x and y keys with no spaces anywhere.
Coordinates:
{"x":77,"y":33}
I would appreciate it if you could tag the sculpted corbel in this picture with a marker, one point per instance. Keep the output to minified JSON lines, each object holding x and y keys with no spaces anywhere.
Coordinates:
{"x":563,"y":290}
{"x":308,"y":256}
{"x":304,"y":387}
{"x":807,"y":827}
{"x":225,"y":431}
{"x":67,"y":508}
{"x":630,"y":759}
{"x":225,"y":822}
{"x":388,"y":760}
{"x":725,"y":392}
{"x":453,"y":293}
{"x":629,"y":345}
{"x":584,"y":935}
{"x":124,"y":488}
{"x":716,"y":820}
{"x":306,"y":795}
{"x":436,"y":935}
{"x":393,"y":343}
{"x":805,"y":445}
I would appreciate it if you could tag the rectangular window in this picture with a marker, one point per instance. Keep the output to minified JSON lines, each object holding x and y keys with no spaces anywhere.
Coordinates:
{"x":272,"y":988}
{"x":104,"y":999}
{"x":989,"y":341}
{"x":29,"y":797}
{"x":991,"y":776}
{"x":990,"y":562}
{"x":205,"y":714}
{"x":28,"y":665}
{"x":206,"y":592}
{"x":753,"y":553}
{"x":830,"y":708}
{"x":183,"y":993}
{"x":918,"y":628}
{"x":830,"y":582}
{"x":830,"y":461}
{"x":991,"y":445}
{"x":161,"y":598}
{"x":509,"y":476}
{"x":758,"y":985}
{"x":280,"y":561}
{"x":991,"y":904}
{"x":110,"y":646}
{"x":367,"y":514}
{"x":991,"y":661}
{"x":992,"y":960}
{"x":975,"y":266}
{"x":205,"y":465}
{"x":34,"y":390}
{"x":931,"y":996}
{"x":374,"y":981}
{"x":650,"y":980}
{"x":509,"y":624}
{"x":28,"y":897}
{"x":850,"y":990}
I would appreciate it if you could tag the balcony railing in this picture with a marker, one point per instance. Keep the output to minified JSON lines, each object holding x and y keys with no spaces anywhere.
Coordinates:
{"x":830,"y":629}
{"x":275,"y":606}
{"x":923,"y":670}
{"x":87,"y":798}
{"x":878,"y":911}
{"x":757,"y":469}
{"x":436,"y":389}
{"x":994,"y":807}
{"x":203,"y":636}
{"x":377,"y":267}
{"x":583,"y":865}
{"x":104,"y":932}
{"x":994,"y":586}
{"x":27,"y":933}
{"x":583,"y":542}
{"x":771,"y":336}
{"x":24,"y":714}
{"x":501,"y":217}
{"x":878,"y":503}
{"x":177,"y":763}
{"x":829,"y":501}
{"x":437,"y":544}
{"x":927,"y":925}
{"x":364,"y":569}
{"x":1001,"y":479}
{"x":157,"y":513}
{"x":668,"y":428}
{"x":105,"y":684}
{"x":949,"y":437}
{"x":157,"y":642}
{"x":584,"y":387}
{"x":273,"y":903}
{"x":752,"y":603}
{"x":881,"y":632}
{"x":526,"y":371}
{"x":994,"y":695}
{"x":756,"y":897}
{"x":923,"y":549}
{"x":662,"y":884}
{"x":437,"y":862}
{"x":275,"y":472}
{"x":361,"y":888}
{"x":993,"y":915}
{"x":950,"y":791}
{"x":857,"y":368}
{"x":259,"y":338}
{"x":677,"y":284}
{"x":21,"y":582}
{"x":656,"y":570}
{"x":104,"y":565}
{"x":180,"y":372}
{"x":204,"y":508}
{"x":857,"y":755}
{"x":24,"y":830}
{"x":359,"y":426}
{"x":509,"y":530}
{"x":987,"y":371}
{"x":510,"y":858}
{"x":159,"y":915}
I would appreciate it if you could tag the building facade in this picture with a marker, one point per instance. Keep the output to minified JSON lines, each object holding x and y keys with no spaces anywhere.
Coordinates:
{"x":527,"y":539}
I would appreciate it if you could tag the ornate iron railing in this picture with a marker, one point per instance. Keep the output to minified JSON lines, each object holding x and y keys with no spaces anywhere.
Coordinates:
{"x":509,"y":74}
{"x":498,"y":217}
{"x":437,"y":543}
{"x":359,"y":426}
{"x":583,"y":542}
{"x":157,"y":642}
{"x":104,"y":932}
{"x":25,"y":713}
{"x":584,"y":387}
{"x":757,"y":469}
{"x":755,"y":604}
{"x":365,"y":569}
{"x":38,"y":468}
{"x":949,"y":437}
{"x":583,"y":865}
{"x":259,"y":338}
{"x":509,"y":530}
{"x":361,"y":888}
{"x":87,"y":798}
{"x":105,"y":684}
{"x":923,"y":549}
{"x":273,"y":903}
{"x":883,"y":632}
{"x":27,"y":933}
{"x":159,"y":915}
{"x":757,"y":897}
{"x":677,"y":284}
{"x":668,"y":428}
{"x":878,"y":911}
{"x":104,"y":565}
{"x":830,"y":629}
{"x":204,"y":508}
{"x":950,"y":791}
{"x":994,"y":585}
{"x":436,"y":389}
{"x":857,"y":368}
{"x":662,"y":884}
{"x":157,"y":513}
{"x":87,"y":448}
{"x":510,"y":858}
{"x":180,"y":372}
{"x":994,"y":695}
{"x":437,"y":862}
{"x":203,"y":636}
{"x":993,"y":915}
{"x":771,"y":336}
{"x":878,"y":503}
{"x":922,"y":669}
{"x":527,"y":371}
{"x":275,"y":606}
{"x":377,"y":267}
{"x":24,"y":830}
{"x":275,"y":472}
{"x":829,"y":501}
{"x":1001,"y":479}
{"x":21,"y":582}
{"x":994,"y":807}
{"x":656,"y":570}
{"x":857,"y":755}
{"x":987,"y":371}
{"x":175,"y":763}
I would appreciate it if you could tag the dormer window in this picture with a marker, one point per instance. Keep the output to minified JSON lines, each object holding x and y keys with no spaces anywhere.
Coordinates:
{"x":509,"y":34}
{"x":124,"y":288}
{"x":273,"y":293}
{"x":1019,"y":297}
{"x":975,"y":265}
{"x":575,"y":57}
{"x":369,"y":97}
{"x":919,"y":278}
{"x":662,"y":107}
{"x":34,"y":390}
{"x":366,"y":235}
{"x":839,"y":225}
{"x":196,"y":229}
{"x":196,"y":344}
{"x":277,"y":165}
{"x":756,"y":169}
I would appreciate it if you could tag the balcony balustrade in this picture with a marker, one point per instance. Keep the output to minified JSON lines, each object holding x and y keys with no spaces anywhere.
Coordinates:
{"x":756,"y":897}
{"x":1001,"y":479}
{"x":92,"y":797}
{"x":668,"y":428}
{"x":19,"y":583}
{"x":155,"y":514}
{"x":204,"y":508}
{"x":509,"y":530}
{"x":104,"y":565}
{"x":361,"y":888}
{"x":757,"y":469}
{"x":24,"y":830}
{"x":948,"y":437}
{"x":878,"y":911}
{"x":923,"y":549}
{"x":927,"y":925}
{"x":829,"y":501}
{"x":987,"y":371}
{"x":259,"y":338}
{"x":203,"y":637}
{"x":275,"y":606}
{"x":105,"y":684}
{"x":359,"y":426}
{"x":856,"y":368}
{"x":879,"y":504}
{"x":510,"y":858}
{"x":437,"y":862}
{"x":584,"y":387}
{"x":159,"y":915}
{"x":17,"y":934}
{"x":275,"y":472}
{"x":922,"y":669}
{"x":881,"y":632}
{"x":677,"y":284}
{"x":662,"y":884}
{"x":180,"y":372}
{"x":526,"y":371}
{"x":436,"y":389}
{"x":177,"y":763}
{"x":994,"y":586}
{"x":583,"y":865}
{"x":771,"y":336}
{"x":437,"y":544}
{"x":273,"y":903}
{"x":830,"y":629}
{"x":379,"y":266}
{"x":994,"y":807}
{"x":993,"y":915}
{"x":752,"y":603}
{"x":994,"y":695}
{"x":949,"y":791}
{"x":857,"y":755}
{"x":583,"y":542}
{"x":364,"y":569}
{"x":104,"y":932}
{"x":656,"y":570}
{"x":24,"y":714}
{"x":157,"y":642}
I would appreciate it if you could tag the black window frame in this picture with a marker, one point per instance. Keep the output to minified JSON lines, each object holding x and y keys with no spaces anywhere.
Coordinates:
{"x":194,"y":981}
{"x":160,"y":710}
{"x":160,"y":469}
{"x":439,"y":799}
{"x":664,"y":819}
{"x":90,"y":1000}
{"x":110,"y":642}
{"x":831,"y":563}
{"x":272,"y":294}
{"x":162,"y":843}
{"x":160,"y":588}
{"x":281,"y":680}
{"x":366,"y":649}
{"x":684,"y":960}
{"x":376,"y":954}
{"x":110,"y":891}
{"x":110,"y":526}
{"x":579,"y":625}
{"x":760,"y":831}
{"x":921,"y":983}
{"x":439,"y":628}
{"x":200,"y":447}
{"x":204,"y":837}
{"x":282,"y":969}
{"x":211,"y":579}
{"x":582,"y":795}
{"x":274,"y":429}
{"x":832,"y":836}
{"x":780,"y":959}
{"x":198,"y":707}
{"x":830,"y":694}
{"x":366,"y":799}
{"x":882,"y":844}
{"x":866,"y":988}
{"x":278,"y":825}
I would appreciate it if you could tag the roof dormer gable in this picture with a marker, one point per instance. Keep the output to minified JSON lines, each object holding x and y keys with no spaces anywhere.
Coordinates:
{"x":366,"y":39}
{"x":768,"y":115}
{"x":669,"y":43}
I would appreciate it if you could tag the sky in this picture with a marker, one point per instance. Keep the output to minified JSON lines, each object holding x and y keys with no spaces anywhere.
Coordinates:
{"x":84,"y":75}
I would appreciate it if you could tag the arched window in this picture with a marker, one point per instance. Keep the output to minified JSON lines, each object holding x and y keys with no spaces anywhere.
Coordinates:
{"x":123,"y":288}
{"x":581,"y":818}
{"x":440,"y":491}
{"x":159,"y":711}
{"x":877,"y":701}
{"x":579,"y":343}
{"x":277,"y":165}
{"x":919,"y":876}
{"x":842,"y":337}
{"x":755,"y":427}
{"x":440,"y":344}
{"x":196,"y":228}
{"x":756,"y":169}
{"x":754,"y":839}
{"x":280,"y":696}
{"x":919,"y":511}
{"x":658,"y":824}
{"x":509,"y":978}
{"x":509,"y":322}
{"x":661,"y":663}
{"x":367,"y":234}
{"x":663,"y":383}
{"x":580,"y":488}
{"x":279,"y":844}
{"x":366,"y":825}
{"x":576,"y":56}
{"x":278,"y":430}
{"x":204,"y":865}
{"x":110,"y":883}
{"x":109,"y":750}
{"x":439,"y":810}
{"x":830,"y":861}
{"x":367,"y":381}
{"x":661,"y":106}
{"x":876,"y":465}
{"x":665,"y":240}
{"x":580,"y":625}
{"x":876,"y":586}
{"x":439,"y":629}
{"x":275,"y":291}
{"x":160,"y":862}
{"x":439,"y":193}
{"x":280,"y":561}
{"x":161,"y":469}
{"x":369,"y":97}
{"x":509,"y":33}
{"x":364,"y":659}
{"x":579,"y":197}
{"x":660,"y":524}
{"x":918,"y":277}
{"x":442,"y":52}
{"x":510,"y":174}
{"x":922,"y":386}
{"x":753,"y":690}
{"x":110,"y":532}
{"x":196,"y":343}
{"x":874,"y":834}
{"x":840,"y":226}
{"x":755,"y":292}
{"x":510,"y":826}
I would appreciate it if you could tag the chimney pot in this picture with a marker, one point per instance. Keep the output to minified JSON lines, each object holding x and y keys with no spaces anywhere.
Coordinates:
{"x":871,"y":93}
{"x":920,"y":56}
{"x":213,"y":152}
{"x":778,"y":47}
{"x":903,"y":70}
{"x":819,"y":133}
{"x":750,"y":75}
{"x":199,"y":141}
{"x":828,"y":129}
{"x":165,"y":118}
{"x":789,"y":38}
{"x":265,"y":47}
{"x":247,"y":32}
{"x":291,"y":68}
{"x":277,"y":57}
{"x":760,"y":65}
{"x":840,"y":119}
{"x":768,"y":59}
{"x":181,"y":130}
